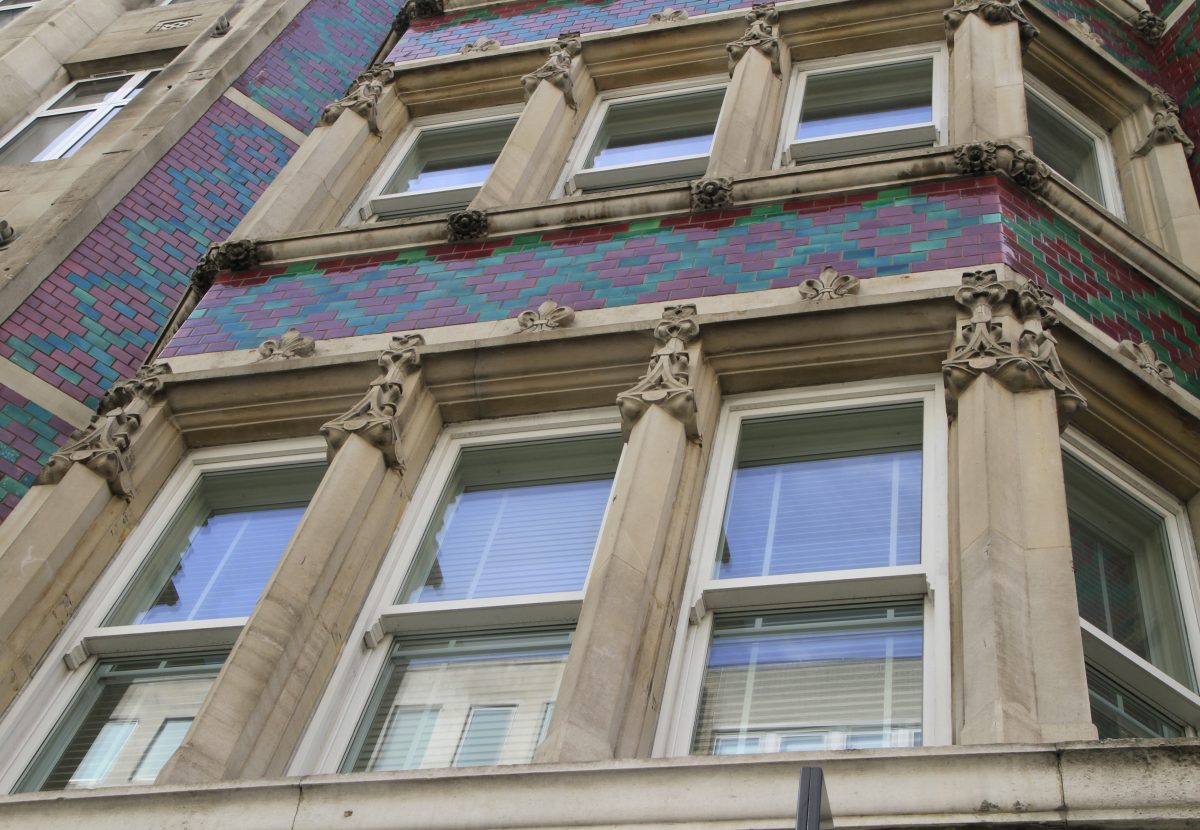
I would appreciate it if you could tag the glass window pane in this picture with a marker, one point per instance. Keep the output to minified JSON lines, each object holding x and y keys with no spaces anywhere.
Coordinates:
{"x":1118,"y":713}
{"x":828,"y":679}
{"x":216,"y":556}
{"x":38,"y":135}
{"x":1069,"y":150}
{"x":95,"y":128}
{"x":516,"y":519}
{"x":128,"y":720}
{"x":9,"y":15}
{"x":462,"y":701}
{"x":660,"y":128}
{"x":450,"y":157}
{"x":828,"y":492}
{"x":93,"y":91}
{"x":869,"y":98}
{"x":1123,"y":574}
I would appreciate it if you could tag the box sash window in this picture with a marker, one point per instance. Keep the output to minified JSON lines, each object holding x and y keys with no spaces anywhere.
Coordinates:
{"x":1073,"y":147}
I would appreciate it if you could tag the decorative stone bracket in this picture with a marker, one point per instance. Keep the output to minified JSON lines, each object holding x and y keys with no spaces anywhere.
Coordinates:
{"x":1149,"y":26}
{"x":667,"y":380}
{"x":987,"y":157}
{"x":760,"y":34}
{"x":467,"y":225}
{"x":548,"y":315}
{"x":557,"y":68}
{"x":7,"y":234}
{"x":362,"y":96}
{"x":103,"y":445}
{"x":373,"y":418}
{"x":1166,"y":128}
{"x":236,"y":255}
{"x":712,"y":194}
{"x":1006,"y":335}
{"x":994,"y":12}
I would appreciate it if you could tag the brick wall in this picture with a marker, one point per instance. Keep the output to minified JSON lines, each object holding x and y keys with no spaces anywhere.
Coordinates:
{"x":28,"y":434}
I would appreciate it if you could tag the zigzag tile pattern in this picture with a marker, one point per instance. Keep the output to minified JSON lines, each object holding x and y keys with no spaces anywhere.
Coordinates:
{"x":28,"y":436}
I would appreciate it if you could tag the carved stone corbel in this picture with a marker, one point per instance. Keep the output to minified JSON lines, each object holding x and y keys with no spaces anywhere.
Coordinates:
{"x":760,"y":35}
{"x":291,"y":344}
{"x":7,"y":233}
{"x":373,"y":418}
{"x":712,"y":194}
{"x":557,"y":68}
{"x":667,"y":380}
{"x":483,"y":43}
{"x":994,"y":12}
{"x":830,"y":284}
{"x":1147,"y":360}
{"x":1028,"y":170}
{"x":1007,"y":336}
{"x":417,"y":9}
{"x":1166,"y":128}
{"x":1149,"y":26}
{"x":235,"y":255}
{"x":221,"y":27}
{"x":977,"y":159}
{"x":362,"y":96}
{"x":103,"y":445}
{"x":548,"y":315}
{"x":467,"y":225}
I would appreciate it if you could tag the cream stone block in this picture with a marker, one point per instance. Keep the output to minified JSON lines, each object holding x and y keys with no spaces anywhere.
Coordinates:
{"x":987,"y":87}
{"x":748,"y":129}
{"x":1176,"y":207}
{"x":534,"y":155}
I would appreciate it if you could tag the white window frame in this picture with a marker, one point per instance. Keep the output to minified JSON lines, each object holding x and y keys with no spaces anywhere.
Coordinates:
{"x":865,"y":142}
{"x":332,"y":729}
{"x":927,"y":582}
{"x":1127,"y":668}
{"x":1105,"y":160}
{"x":577,"y":179}
{"x":68,"y":667}
{"x":373,"y":203}
{"x":16,"y":7}
{"x":62,"y":146}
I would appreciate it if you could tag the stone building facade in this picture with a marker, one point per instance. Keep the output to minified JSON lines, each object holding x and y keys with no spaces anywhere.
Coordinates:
{"x":599,"y":413}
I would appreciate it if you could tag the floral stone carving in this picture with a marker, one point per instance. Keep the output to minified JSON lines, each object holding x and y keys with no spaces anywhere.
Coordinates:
{"x":1028,"y":171}
{"x":1081,"y":28}
{"x":1007,"y":335}
{"x":465,"y":225}
{"x":1147,"y":360}
{"x":830,"y":284}
{"x":667,"y":380}
{"x":291,"y":344}
{"x":994,"y":12}
{"x":1149,"y":26}
{"x":712,"y":194}
{"x":548,"y":315}
{"x":1166,"y":128}
{"x":483,"y":43}
{"x":977,"y":159}
{"x":373,"y":418}
{"x":362,"y":97}
{"x":557,"y":69}
{"x":235,"y":255}
{"x":669,"y":15}
{"x":760,"y":35}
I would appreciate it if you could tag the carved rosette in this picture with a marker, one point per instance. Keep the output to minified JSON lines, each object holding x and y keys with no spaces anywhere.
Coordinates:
{"x":483,"y":43}
{"x":1149,"y":26}
{"x":557,"y":69}
{"x":760,"y":34}
{"x":466,"y":225}
{"x":668,"y":15}
{"x":1028,"y":171}
{"x":994,"y":12}
{"x":362,"y":96}
{"x":291,"y":344}
{"x":667,"y":380}
{"x":373,"y":418}
{"x":548,"y":315}
{"x":1166,"y":128}
{"x":418,"y":9}
{"x":830,"y":284}
{"x":103,"y":445}
{"x":1007,"y":336}
{"x":1147,"y":360}
{"x":712,"y":194}
{"x":977,"y":159}
{"x":235,"y":255}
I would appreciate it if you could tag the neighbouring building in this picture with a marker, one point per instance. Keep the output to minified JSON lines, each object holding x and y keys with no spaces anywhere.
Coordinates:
{"x":589,"y":413}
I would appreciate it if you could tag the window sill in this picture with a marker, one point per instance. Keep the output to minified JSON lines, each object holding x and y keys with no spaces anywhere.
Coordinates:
{"x":863,"y":143}
{"x":629,"y":175}
{"x":423,"y":201}
{"x":475,"y":614}
{"x":119,"y":640}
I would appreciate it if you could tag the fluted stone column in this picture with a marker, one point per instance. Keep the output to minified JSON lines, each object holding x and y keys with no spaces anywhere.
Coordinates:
{"x":559,"y":94}
{"x":265,"y":694}
{"x":1019,"y":649}
{"x":608,"y":699}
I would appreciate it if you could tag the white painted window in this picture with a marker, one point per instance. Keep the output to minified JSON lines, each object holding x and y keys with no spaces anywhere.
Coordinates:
{"x":1072,"y":145}
{"x":468,"y":628}
{"x":813,"y":623}
{"x":148,"y":642}
{"x":10,"y":10}
{"x":866,"y":104}
{"x":439,"y":164}
{"x":644,"y":136}
{"x":1135,"y":579}
{"x":60,"y":127}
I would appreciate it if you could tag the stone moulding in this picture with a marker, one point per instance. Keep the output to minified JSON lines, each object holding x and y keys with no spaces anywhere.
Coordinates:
{"x":467,"y":225}
{"x":712,"y":194}
{"x":1149,"y":26}
{"x":1005,"y":334}
{"x":362,"y":96}
{"x":548,"y":315}
{"x":993,"y":11}
{"x":373,"y":418}
{"x":1166,"y":128}
{"x":1147,"y":360}
{"x":557,"y":69}
{"x":103,"y":445}
{"x":829,"y":285}
{"x":291,"y":344}
{"x":667,"y":380}
{"x":760,"y":34}
{"x":235,"y":255}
